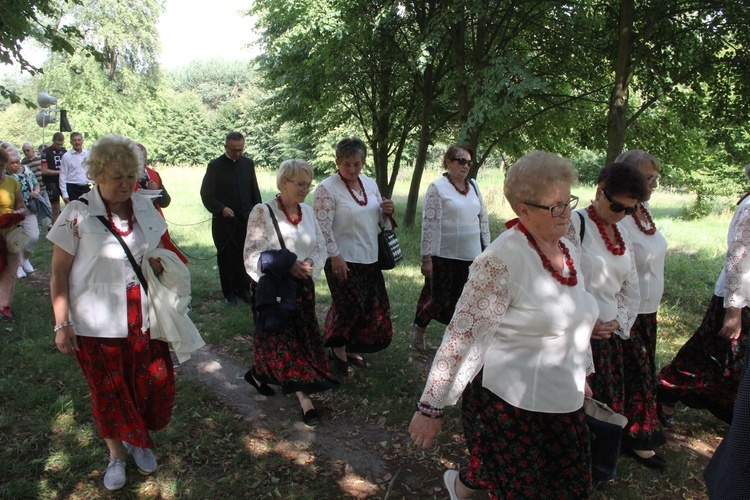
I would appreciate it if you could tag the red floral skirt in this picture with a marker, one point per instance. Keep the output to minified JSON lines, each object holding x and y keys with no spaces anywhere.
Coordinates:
{"x":441,"y":293}
{"x":706,"y":371}
{"x":517,"y":453}
{"x":608,"y":381}
{"x":295,"y":358}
{"x":131,"y":380}
{"x":639,"y":356}
{"x":360,"y":313}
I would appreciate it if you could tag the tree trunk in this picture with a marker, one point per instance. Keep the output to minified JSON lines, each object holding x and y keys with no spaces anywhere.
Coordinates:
{"x":617,"y":121}
{"x":425,"y":138}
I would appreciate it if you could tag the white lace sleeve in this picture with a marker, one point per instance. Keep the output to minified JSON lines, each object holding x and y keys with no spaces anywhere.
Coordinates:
{"x":574,"y":231}
{"x":479,"y":312}
{"x":737,"y":262}
{"x":432,"y":216}
{"x":319,"y":254}
{"x":484,"y":220}
{"x":260,"y":233}
{"x":324,"y":205}
{"x":628,"y":298}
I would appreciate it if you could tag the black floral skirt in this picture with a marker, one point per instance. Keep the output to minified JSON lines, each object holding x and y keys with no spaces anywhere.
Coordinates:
{"x":608,"y":382}
{"x":706,"y":371}
{"x":441,"y":293}
{"x":360,"y":313}
{"x":516,"y":453}
{"x":639,"y":357}
{"x":295,"y":358}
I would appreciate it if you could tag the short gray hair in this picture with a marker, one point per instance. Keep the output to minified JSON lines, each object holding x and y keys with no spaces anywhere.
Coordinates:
{"x":638,"y":157}
{"x":530,"y":178}
{"x":115,"y":150}
{"x":289,"y":169}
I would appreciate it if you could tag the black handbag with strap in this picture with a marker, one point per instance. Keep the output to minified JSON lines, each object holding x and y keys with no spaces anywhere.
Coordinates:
{"x":389,"y":249}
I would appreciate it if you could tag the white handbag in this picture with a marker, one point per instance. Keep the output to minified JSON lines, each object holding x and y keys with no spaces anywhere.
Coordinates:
{"x":16,"y":239}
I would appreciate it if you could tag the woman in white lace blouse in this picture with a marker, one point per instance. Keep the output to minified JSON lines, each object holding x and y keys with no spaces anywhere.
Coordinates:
{"x":706,"y":371}
{"x":288,"y":352}
{"x":348,"y":206}
{"x":455,"y":229}
{"x":517,"y":349}
{"x":608,"y":263}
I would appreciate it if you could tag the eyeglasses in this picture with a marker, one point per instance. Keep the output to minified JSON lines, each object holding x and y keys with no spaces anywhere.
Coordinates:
{"x":462,"y":161}
{"x":301,"y":185}
{"x":559,"y":209}
{"x":619,"y":207}
{"x":652,"y":179}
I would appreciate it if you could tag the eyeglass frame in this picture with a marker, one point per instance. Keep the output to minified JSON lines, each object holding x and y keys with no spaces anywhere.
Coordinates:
{"x":572,"y":204}
{"x":301,"y":185}
{"x":618,"y":207}
{"x":462,"y":161}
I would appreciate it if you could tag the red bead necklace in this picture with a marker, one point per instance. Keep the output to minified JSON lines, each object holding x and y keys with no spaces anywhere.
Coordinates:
{"x":616,"y":249}
{"x":571,"y":280}
{"x":652,"y":229}
{"x":112,"y":222}
{"x":361,"y":203}
{"x":294,"y":222}
{"x":464,"y":191}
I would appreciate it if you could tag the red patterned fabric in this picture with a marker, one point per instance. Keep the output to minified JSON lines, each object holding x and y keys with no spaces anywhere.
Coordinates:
{"x":131,"y":380}
{"x":517,"y":453}
{"x":440,"y":294}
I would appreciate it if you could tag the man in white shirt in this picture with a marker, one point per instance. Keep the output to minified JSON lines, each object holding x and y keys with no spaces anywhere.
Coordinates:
{"x":73,"y":179}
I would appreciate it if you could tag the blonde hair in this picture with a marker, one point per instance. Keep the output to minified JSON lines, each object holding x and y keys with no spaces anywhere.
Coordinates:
{"x":532,"y":176}
{"x":638,"y":157}
{"x":289,"y":169}
{"x":118,"y":151}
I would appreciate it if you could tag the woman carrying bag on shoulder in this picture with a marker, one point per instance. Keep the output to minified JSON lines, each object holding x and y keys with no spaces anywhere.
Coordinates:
{"x":284,"y":239}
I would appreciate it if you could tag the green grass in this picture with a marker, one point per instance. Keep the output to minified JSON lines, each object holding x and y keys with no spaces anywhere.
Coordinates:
{"x":51,"y":449}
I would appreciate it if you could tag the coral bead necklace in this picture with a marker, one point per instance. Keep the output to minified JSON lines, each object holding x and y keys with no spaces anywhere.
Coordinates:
{"x":652,"y":227}
{"x":617,"y":248}
{"x":463,"y":191}
{"x":112,"y":222}
{"x":293,"y":221}
{"x":362,"y":202}
{"x":572,"y":279}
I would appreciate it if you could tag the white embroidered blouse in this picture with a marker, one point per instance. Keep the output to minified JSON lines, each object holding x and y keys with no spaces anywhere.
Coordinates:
{"x":650,"y":250}
{"x":305,"y":240}
{"x":454,"y":226}
{"x":612,"y":279}
{"x":527,"y":331}
{"x":734,"y":281}
{"x":349,"y":229}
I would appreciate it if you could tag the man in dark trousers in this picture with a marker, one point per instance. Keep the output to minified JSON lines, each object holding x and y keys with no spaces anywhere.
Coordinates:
{"x":230,"y":191}
{"x":51,"y":160}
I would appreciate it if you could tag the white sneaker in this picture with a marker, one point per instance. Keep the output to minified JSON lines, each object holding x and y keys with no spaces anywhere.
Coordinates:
{"x":114,"y":476}
{"x":27,"y":267}
{"x":21,"y":273}
{"x":449,"y":478}
{"x":144,"y":457}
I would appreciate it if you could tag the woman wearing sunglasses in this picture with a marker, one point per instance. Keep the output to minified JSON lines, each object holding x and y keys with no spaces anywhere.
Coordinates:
{"x":610,"y":274}
{"x":642,"y":433}
{"x":455,"y":229}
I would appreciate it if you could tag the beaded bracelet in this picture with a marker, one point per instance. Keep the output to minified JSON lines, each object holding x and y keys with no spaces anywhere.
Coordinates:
{"x":429,"y":411}
{"x":62,"y":325}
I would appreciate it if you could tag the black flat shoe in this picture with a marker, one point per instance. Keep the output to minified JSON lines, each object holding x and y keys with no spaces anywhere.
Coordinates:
{"x":666,"y":420}
{"x":357,"y":360}
{"x":653,"y":462}
{"x":342,"y":366}
{"x":262,"y":388}
{"x":311,"y":417}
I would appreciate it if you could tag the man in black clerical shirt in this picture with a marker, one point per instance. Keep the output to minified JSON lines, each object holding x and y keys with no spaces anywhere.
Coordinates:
{"x":230,"y":191}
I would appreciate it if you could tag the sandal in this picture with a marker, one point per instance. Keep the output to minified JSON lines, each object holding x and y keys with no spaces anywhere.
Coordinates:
{"x":418,"y":340}
{"x":341,"y":365}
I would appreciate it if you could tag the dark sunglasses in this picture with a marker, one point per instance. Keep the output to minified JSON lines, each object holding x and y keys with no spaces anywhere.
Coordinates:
{"x":462,"y":161}
{"x":619,"y":207}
